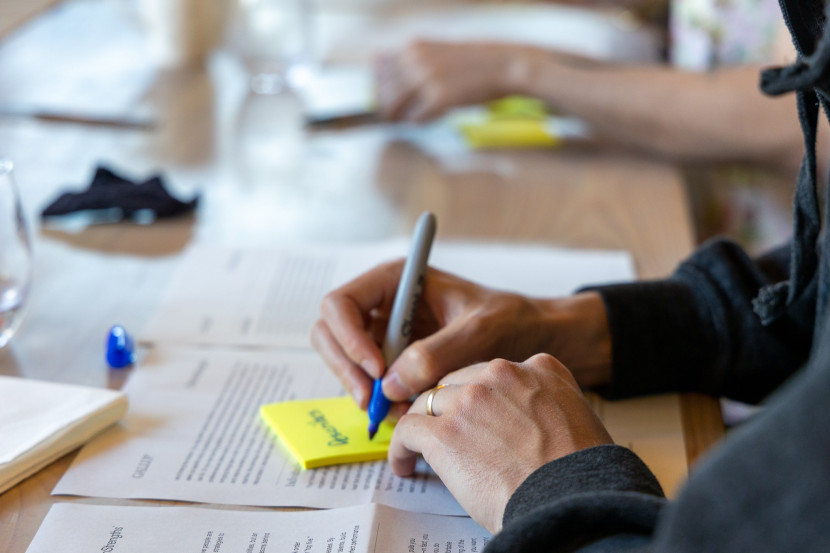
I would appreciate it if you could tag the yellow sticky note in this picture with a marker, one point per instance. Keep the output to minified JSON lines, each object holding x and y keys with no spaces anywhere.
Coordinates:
{"x":517,"y":107}
{"x":329,"y":431}
{"x":509,"y":133}
{"x":510,"y":122}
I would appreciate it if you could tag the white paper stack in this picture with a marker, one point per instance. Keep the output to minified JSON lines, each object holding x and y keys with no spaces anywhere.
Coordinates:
{"x":42,"y":421}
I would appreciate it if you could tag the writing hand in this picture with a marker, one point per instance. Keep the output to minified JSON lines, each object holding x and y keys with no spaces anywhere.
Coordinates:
{"x":457,"y":323}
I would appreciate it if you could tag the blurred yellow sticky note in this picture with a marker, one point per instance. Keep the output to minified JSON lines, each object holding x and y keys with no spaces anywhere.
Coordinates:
{"x":329,"y":431}
{"x":510,"y":122}
{"x":508,"y":133}
{"x":517,"y":107}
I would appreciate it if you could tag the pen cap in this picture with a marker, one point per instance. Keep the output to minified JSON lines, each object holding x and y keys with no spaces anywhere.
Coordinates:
{"x":120,"y":349}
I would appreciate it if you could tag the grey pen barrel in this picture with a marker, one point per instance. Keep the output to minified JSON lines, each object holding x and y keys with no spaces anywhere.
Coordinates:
{"x":410,"y":288}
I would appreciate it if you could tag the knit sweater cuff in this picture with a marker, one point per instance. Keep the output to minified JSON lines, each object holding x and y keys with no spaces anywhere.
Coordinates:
{"x":596,"y":469}
{"x":581,"y":498}
{"x":659,"y":342}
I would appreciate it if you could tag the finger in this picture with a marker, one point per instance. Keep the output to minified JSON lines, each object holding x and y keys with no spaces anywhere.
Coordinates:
{"x":443,"y":396}
{"x":346,"y":325}
{"x":397,"y":98}
{"x":410,"y":86}
{"x":352,"y":376}
{"x":412,"y":435}
{"x":376,"y":328}
{"x":395,"y":87}
{"x":347,"y":313}
{"x":430,"y":102}
{"x":399,"y":409}
{"x":424,"y":362}
{"x":383,"y":63}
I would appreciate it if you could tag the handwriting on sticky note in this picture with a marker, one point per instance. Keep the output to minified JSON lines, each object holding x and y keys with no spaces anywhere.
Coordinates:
{"x":328,"y":431}
{"x":337,"y":437}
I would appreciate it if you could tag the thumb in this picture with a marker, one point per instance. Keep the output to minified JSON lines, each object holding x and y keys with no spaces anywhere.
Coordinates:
{"x":424,"y":362}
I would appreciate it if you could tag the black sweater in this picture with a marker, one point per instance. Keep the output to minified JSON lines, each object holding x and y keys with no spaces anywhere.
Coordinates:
{"x":725,"y":325}
{"x":765,"y":489}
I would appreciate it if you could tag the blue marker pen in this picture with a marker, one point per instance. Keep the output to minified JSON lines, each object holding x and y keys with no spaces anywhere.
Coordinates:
{"x":403,"y":311}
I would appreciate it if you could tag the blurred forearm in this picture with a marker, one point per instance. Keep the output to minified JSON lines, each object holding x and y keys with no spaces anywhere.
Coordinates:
{"x":685,"y":116}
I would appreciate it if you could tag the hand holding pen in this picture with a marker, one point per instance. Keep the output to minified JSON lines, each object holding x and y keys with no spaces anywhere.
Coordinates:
{"x":458,"y":323}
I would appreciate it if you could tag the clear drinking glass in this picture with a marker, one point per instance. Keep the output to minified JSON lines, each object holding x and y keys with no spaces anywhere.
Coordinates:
{"x":270,"y":139}
{"x":272,"y":39}
{"x":15,"y":255}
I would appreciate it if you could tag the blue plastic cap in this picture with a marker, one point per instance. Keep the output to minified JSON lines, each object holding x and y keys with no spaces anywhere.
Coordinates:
{"x":120,"y":350}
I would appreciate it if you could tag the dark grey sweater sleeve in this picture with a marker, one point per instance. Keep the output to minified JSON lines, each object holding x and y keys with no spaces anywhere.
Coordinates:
{"x":697,"y":330}
{"x":764,"y":489}
{"x":594,"y":495}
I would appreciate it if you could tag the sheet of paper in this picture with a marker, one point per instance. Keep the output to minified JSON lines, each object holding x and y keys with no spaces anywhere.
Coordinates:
{"x":326,"y":431}
{"x":354,"y":86}
{"x":272,"y":298}
{"x":193,"y":433}
{"x":76,"y":528}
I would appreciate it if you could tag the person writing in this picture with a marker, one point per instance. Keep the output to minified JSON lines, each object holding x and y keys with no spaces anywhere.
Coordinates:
{"x":509,"y":431}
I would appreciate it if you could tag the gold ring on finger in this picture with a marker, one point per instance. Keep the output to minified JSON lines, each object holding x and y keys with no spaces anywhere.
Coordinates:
{"x":431,"y":398}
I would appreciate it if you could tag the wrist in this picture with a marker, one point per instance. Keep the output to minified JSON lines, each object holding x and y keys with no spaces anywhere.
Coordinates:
{"x":580,"y":336}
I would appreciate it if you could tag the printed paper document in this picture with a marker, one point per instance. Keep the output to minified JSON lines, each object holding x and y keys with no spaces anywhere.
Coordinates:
{"x":272,"y":298}
{"x":194,"y":433}
{"x":76,"y":528}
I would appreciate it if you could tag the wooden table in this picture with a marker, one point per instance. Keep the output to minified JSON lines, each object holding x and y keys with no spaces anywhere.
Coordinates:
{"x":374,"y":183}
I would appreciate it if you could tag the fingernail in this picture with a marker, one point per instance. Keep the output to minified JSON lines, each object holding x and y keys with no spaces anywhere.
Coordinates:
{"x":393,"y":388}
{"x":371,"y":367}
{"x":357,"y":394}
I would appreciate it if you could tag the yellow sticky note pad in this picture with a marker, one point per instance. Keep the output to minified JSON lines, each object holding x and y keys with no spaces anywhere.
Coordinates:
{"x":328,"y":431}
{"x":510,"y":122}
{"x":517,"y":107}
{"x":507,"y":133}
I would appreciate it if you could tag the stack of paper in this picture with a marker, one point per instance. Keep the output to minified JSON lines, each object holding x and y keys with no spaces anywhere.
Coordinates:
{"x":42,"y":421}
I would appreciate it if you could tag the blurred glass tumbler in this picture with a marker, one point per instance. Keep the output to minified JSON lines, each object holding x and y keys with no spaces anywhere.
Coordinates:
{"x":271,"y":38}
{"x":15,"y":255}
{"x":270,"y":138}
{"x":182,"y":33}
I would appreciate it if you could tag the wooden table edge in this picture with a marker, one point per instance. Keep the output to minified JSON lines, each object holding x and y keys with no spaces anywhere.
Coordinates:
{"x":702,"y":424}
